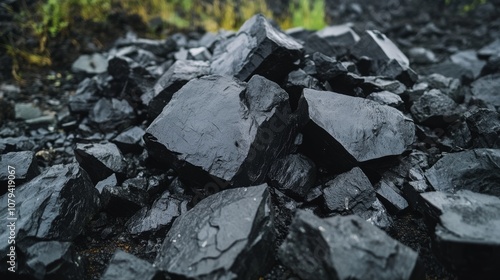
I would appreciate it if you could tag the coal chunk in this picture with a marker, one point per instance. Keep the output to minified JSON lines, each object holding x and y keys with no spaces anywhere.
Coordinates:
{"x":54,"y":260}
{"x":157,"y":217}
{"x":343,"y":130}
{"x":112,"y":114}
{"x":476,"y":170}
{"x":130,"y":140}
{"x":484,"y":126}
{"x":227,"y":235}
{"x":129,"y":267}
{"x":85,"y":97}
{"x":345,"y":248}
{"x":181,"y":72}
{"x":90,"y":63}
{"x":332,"y":41}
{"x":257,"y":48}
{"x":378,"y":47}
{"x":391,"y":197}
{"x":100,"y":160}
{"x":467,"y":235}
{"x":434,"y":109}
{"x":24,"y":163}
{"x":55,"y":205}
{"x":294,"y":174}
{"x":235,"y":137}
{"x":387,"y":98}
{"x":327,"y":68}
{"x":487,"y":90}
{"x":123,"y":200}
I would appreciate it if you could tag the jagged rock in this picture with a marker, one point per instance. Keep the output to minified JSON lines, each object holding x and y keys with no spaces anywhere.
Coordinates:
{"x":123,"y":200}
{"x":434,"y":109}
{"x":181,"y":72}
{"x":125,"y":266}
{"x":456,"y":138}
{"x":228,"y":235}
{"x":158,"y":217}
{"x":111,"y":181}
{"x":387,"y":98}
{"x":55,"y":205}
{"x":54,"y":260}
{"x":159,"y":48}
{"x":345,"y":248}
{"x":467,"y":236}
{"x":85,"y":97}
{"x":130,"y":140}
{"x":91,"y":64}
{"x":343,"y":130}
{"x":468,"y":59}
{"x":446,"y":85}
{"x":484,"y":126}
{"x":24,"y":164}
{"x":395,"y":70}
{"x":327,"y":68}
{"x":296,"y":81}
{"x":391,"y":197}
{"x":332,"y":41}
{"x":490,"y":50}
{"x":257,"y":49}
{"x":294,"y":174}
{"x":422,"y":56}
{"x":476,"y":170}
{"x":378,"y":47}
{"x":236,"y":137}
{"x":100,"y":160}
{"x":487,"y":90}
{"x":16,"y":144}
{"x":112,"y":114}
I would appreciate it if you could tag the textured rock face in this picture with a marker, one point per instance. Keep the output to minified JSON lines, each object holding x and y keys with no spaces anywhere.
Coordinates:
{"x":484,"y":126}
{"x":111,"y":114}
{"x":345,"y":248}
{"x":294,"y":174}
{"x":477,"y":170}
{"x":257,"y":48}
{"x":24,"y":163}
{"x":100,"y":160}
{"x":221,"y":127}
{"x":228,"y":235}
{"x":126,"y":266}
{"x":343,"y":130}
{"x":434,"y":109}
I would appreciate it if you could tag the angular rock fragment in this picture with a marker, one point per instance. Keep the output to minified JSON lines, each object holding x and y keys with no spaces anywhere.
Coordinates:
{"x":85,"y":97}
{"x":344,"y":130}
{"x":130,"y":140}
{"x":491,"y":49}
{"x":181,"y":72}
{"x":387,"y":98}
{"x":294,"y":174}
{"x":467,"y":236}
{"x":434,"y":109}
{"x":257,"y":49}
{"x":332,"y":41}
{"x":391,"y":197}
{"x":395,"y":70}
{"x":111,"y":181}
{"x":100,"y":160}
{"x":476,"y":170}
{"x":53,"y":260}
{"x":468,"y":59}
{"x":123,"y":200}
{"x":327,"y":67}
{"x":91,"y":64}
{"x":157,"y":217}
{"x":296,"y":81}
{"x":448,"y":86}
{"x":487,"y":90}
{"x":422,"y":56}
{"x":27,"y":111}
{"x":449,"y":69}
{"x":55,"y":205}
{"x":235,"y":137}
{"x":112,"y":114}
{"x":24,"y":164}
{"x":228,"y":235}
{"x":378,"y":47}
{"x":484,"y":126}
{"x":125,"y":266}
{"x":345,"y":248}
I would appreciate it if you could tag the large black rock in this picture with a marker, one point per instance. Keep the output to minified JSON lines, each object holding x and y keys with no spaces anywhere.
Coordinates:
{"x":228,"y":235}
{"x":55,"y":205}
{"x":100,"y":160}
{"x":125,"y":266}
{"x":257,"y":48}
{"x":467,"y":235}
{"x":294,"y":174}
{"x":477,"y":170}
{"x":219,"y":126}
{"x":434,"y":109}
{"x":344,"y":130}
{"x":484,"y":126}
{"x":345,"y":248}
{"x":487,"y":90}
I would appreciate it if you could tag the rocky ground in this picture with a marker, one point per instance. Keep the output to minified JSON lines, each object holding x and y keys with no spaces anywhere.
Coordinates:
{"x":366,"y":150}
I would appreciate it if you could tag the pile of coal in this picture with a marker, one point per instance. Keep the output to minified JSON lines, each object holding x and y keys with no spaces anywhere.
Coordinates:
{"x":259,"y":153}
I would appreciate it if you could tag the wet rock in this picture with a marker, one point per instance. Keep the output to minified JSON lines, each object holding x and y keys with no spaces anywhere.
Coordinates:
{"x":487,"y":90}
{"x":53,"y":260}
{"x":434,"y":109}
{"x":236,"y":137}
{"x":129,"y":267}
{"x":25,"y":164}
{"x":476,"y":170}
{"x":130,"y":140}
{"x":378,"y":47}
{"x":58,"y":212}
{"x":391,"y":198}
{"x":156,"y":218}
{"x":467,"y":236}
{"x":181,"y":72}
{"x":469,"y":60}
{"x":91,"y":64}
{"x":85,"y":97}
{"x":112,"y":114}
{"x":227,"y":235}
{"x":294,"y":174}
{"x":330,"y":140}
{"x":422,"y":56}
{"x":490,"y":50}
{"x":100,"y":160}
{"x":387,"y":98}
{"x":123,"y":201}
{"x":345,"y":248}
{"x":484,"y":126}
{"x":456,"y":138}
{"x":257,"y":49}
{"x":332,"y":41}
